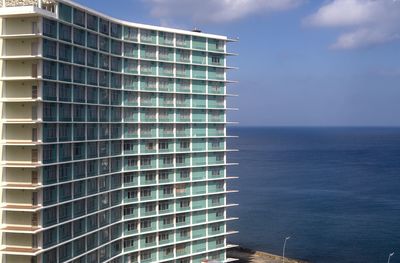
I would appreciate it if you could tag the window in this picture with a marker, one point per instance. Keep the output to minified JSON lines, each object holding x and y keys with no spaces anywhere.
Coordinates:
{"x":184,"y":233}
{"x":168,"y":160}
{"x":180,"y":249}
{"x":168,"y":190}
{"x":104,"y":78}
{"x":104,"y":27}
{"x":131,"y":194}
{"x":79,"y":55}
{"x":79,"y":17}
{"x":180,"y":159}
{"x":167,"y":38}
{"x":168,"y":220}
{"x":184,"y":203}
{"x":49,"y":91}
{"x":104,"y":61}
{"x":150,"y":208}
{"x":104,"y":44}
{"x":145,"y":192}
{"x":116,"y":64}
{"x":92,"y":76}
{"x":150,"y":176}
{"x":184,"y":174}
{"x":163,"y":145}
{"x":131,"y":226}
{"x":129,"y":210}
{"x":49,"y":70}
{"x":181,"y":40}
{"x":163,"y":175}
{"x":79,"y":74}
{"x":180,"y":219}
{"x":64,"y":32}
{"x":49,"y":28}
{"x":92,"y":58}
{"x":215,"y":144}
{"x":150,"y":146}
{"x":163,"y":206}
{"x":49,"y":153}
{"x":129,"y":242}
{"x":64,"y":71}
{"x":163,"y":236}
{"x":49,"y":48}
{"x":79,"y":36}
{"x":150,"y":239}
{"x":92,"y":40}
{"x":116,"y":30}
{"x":145,"y":255}
{"x":65,"y":12}
{"x":65,"y":52}
{"x":130,"y":33}
{"x":92,"y":22}
{"x":184,"y":144}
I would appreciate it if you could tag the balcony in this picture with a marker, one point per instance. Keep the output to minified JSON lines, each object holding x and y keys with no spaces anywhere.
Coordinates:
{"x":20,"y":178}
{"x":20,"y":91}
{"x":19,"y":112}
{"x":18,"y":134}
{"x":21,"y":197}
{"x":15,"y":48}
{"x":19,"y":156}
{"x":17,"y":259}
{"x":21,"y":26}
{"x":20,"y":70}
{"x":21,"y":222}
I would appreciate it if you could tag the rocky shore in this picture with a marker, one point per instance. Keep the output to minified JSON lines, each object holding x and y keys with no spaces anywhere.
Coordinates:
{"x":251,"y":256}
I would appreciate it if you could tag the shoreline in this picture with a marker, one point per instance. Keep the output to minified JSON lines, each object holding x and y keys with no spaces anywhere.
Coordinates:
{"x":246,"y":255}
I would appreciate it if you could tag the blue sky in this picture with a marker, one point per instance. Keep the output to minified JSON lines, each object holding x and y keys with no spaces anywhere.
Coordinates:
{"x":302,"y":62}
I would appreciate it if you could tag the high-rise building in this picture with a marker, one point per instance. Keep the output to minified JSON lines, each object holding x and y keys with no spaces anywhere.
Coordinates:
{"x":113,"y":138}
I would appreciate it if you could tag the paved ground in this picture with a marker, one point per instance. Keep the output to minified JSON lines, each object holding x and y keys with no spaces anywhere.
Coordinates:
{"x":250,"y":256}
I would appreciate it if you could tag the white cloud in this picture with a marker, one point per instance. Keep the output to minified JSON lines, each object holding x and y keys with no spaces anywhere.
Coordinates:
{"x":368,"y":22}
{"x":215,"y":11}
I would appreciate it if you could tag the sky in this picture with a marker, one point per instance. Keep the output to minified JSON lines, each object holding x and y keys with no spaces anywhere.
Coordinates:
{"x":301,"y":62}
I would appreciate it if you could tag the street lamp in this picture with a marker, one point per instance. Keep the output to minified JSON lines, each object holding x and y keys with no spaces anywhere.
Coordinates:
{"x":390,"y":255}
{"x":284,"y":247}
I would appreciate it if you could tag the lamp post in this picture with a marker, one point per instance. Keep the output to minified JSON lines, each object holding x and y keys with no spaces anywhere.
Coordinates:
{"x":390,"y":255}
{"x":284,"y":247}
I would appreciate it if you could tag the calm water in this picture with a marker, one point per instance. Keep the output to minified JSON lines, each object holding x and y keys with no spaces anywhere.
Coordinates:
{"x":336,"y":191}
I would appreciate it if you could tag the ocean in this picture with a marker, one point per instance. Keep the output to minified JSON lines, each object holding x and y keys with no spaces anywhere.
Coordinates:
{"x":335,"y":191}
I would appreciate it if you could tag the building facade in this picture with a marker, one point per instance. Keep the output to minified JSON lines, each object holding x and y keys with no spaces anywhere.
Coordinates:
{"x":113,"y":138}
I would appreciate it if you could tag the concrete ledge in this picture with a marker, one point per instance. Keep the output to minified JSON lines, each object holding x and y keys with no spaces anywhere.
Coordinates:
{"x":251,"y":256}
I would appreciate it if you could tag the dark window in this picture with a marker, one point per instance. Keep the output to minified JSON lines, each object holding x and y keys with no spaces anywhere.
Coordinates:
{"x":116,"y":64}
{"x":79,"y":74}
{"x":64,"y":32}
{"x":79,"y":37}
{"x":104,"y":44}
{"x":92,"y":40}
{"x":49,"y":90}
{"x":65,"y":12}
{"x":116,"y":30}
{"x":64,"y":52}
{"x":92,"y":58}
{"x":79,"y":55}
{"x":104,"y":27}
{"x":64,"y":72}
{"x":79,"y":17}
{"x":116,"y":47}
{"x":49,"y":49}
{"x":49,"y":28}
{"x":64,"y":92}
{"x":92,"y":22}
{"x":49,"y":70}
